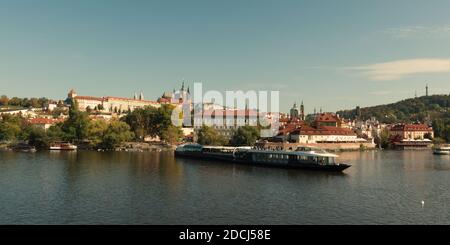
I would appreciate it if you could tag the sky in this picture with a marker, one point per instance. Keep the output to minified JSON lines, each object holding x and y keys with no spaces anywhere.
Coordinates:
{"x":329,"y":54}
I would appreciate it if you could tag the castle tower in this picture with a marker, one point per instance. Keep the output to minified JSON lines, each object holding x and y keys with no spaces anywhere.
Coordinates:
{"x":302,"y":111}
{"x":72,"y":94}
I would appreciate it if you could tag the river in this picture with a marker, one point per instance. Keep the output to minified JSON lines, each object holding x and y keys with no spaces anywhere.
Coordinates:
{"x":84,"y":187}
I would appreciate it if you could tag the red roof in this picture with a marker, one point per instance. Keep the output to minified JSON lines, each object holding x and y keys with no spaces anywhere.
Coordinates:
{"x":88,"y":98}
{"x":323,"y":130}
{"x":44,"y":120}
{"x":411,"y":127}
{"x":327,"y":117}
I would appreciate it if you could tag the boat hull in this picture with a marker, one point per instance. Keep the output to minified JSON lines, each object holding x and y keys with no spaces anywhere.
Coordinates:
{"x":230,"y":158}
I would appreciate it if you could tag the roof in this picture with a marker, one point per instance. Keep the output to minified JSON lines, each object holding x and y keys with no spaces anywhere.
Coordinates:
{"x":411,"y":127}
{"x":324,"y":130}
{"x":44,"y":120}
{"x":327,"y":117}
{"x":89,"y":98}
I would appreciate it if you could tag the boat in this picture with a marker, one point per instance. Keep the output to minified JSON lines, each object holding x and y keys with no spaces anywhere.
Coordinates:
{"x":23,"y":147}
{"x":442,"y":149}
{"x":310,"y":158}
{"x":62,"y":146}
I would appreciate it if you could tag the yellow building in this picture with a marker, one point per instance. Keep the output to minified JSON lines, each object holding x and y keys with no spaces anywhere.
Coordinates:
{"x":110,"y":104}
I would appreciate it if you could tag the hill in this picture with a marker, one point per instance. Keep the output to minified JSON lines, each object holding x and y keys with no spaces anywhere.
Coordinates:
{"x":433,"y":109}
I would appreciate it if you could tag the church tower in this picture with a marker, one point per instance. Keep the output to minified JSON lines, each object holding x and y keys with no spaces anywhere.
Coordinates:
{"x":302,"y":112}
{"x":294,"y":111}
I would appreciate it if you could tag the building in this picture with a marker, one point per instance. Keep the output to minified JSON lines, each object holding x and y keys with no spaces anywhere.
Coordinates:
{"x":322,"y":134}
{"x":44,"y":123}
{"x":327,"y":119}
{"x":109,"y":104}
{"x":225,"y":121}
{"x":411,"y":131}
{"x":411,"y":136}
{"x":298,"y":113}
{"x":176,"y":97}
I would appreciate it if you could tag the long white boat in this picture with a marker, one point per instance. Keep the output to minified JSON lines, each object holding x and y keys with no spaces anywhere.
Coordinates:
{"x":442,"y":149}
{"x":310,"y":158}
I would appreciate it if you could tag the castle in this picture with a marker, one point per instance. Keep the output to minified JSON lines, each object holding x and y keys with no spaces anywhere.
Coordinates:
{"x":118,"y":105}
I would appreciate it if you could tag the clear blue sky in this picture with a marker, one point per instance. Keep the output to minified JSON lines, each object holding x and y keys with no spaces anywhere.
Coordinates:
{"x":330,"y":54}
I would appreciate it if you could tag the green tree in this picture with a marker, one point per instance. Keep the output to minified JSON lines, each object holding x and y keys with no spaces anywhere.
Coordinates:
{"x":75,"y":127}
{"x":95,"y":131}
{"x":172,"y":134}
{"x":9,"y":131}
{"x":149,"y":121}
{"x":116,"y":133}
{"x":245,"y":136}
{"x":209,"y":136}
{"x":383,"y":140}
{"x":37,"y":137}
{"x":55,"y":133}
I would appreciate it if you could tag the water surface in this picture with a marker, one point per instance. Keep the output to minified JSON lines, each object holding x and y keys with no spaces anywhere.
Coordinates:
{"x":382,"y":187}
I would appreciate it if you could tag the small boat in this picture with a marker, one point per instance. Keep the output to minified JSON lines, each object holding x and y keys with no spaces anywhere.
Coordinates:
{"x":23,"y":147}
{"x":309,"y":158}
{"x":442,"y":149}
{"x":62,"y":146}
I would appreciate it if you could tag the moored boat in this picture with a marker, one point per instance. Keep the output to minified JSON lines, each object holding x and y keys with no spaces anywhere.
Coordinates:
{"x":301,"y":158}
{"x":442,"y":149}
{"x":62,"y":146}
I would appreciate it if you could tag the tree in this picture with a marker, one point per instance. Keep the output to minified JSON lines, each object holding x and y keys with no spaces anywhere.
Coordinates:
{"x":95,"y":131}
{"x":149,"y":121}
{"x":245,"y":136}
{"x":172,"y":134}
{"x":383,"y":140}
{"x":37,"y":137}
{"x":209,"y":136}
{"x":116,"y":133}
{"x":75,"y":127}
{"x":9,"y":131}
{"x":55,"y":133}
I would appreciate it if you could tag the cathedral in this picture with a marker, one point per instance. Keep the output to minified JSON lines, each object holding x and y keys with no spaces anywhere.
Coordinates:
{"x":176,"y":97}
{"x":297,"y":113}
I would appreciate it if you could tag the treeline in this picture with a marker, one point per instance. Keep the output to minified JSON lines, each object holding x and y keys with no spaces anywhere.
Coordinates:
{"x":243,"y":136}
{"x":24,"y":102}
{"x":434,"y":109}
{"x":82,"y":130}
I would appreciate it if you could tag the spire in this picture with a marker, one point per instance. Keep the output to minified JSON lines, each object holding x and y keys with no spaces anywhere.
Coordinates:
{"x":141,"y":96}
{"x":426,"y":90}
{"x":182,"y":86}
{"x":188,"y":90}
{"x":320,"y":110}
{"x":135,"y":96}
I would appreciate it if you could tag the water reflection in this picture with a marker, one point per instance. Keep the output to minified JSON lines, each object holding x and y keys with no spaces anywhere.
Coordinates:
{"x":156,"y":188}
